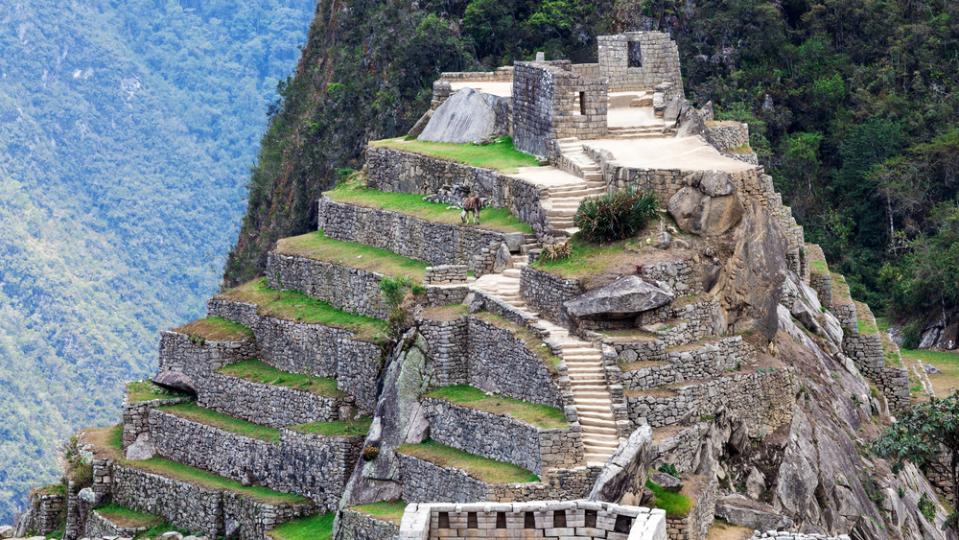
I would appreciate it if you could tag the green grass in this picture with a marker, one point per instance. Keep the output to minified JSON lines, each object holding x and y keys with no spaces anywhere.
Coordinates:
{"x":943,"y":383}
{"x":296,"y":306}
{"x":840,"y":289}
{"x":337,"y":428}
{"x":486,"y":470}
{"x":819,"y":267}
{"x":675,"y":504}
{"x":391,"y":511}
{"x":316,"y":245}
{"x":179,"y":471}
{"x":353,"y":192}
{"x":533,"y":342}
{"x":215,"y":329}
{"x":541,"y":416}
{"x":500,"y":155}
{"x":588,"y":259}
{"x":125,"y":517}
{"x":209,"y":417}
{"x":141,"y":391}
{"x":52,"y":489}
{"x":260,"y":372}
{"x":318,"y":527}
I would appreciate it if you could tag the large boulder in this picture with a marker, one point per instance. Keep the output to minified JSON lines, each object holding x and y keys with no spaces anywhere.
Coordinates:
{"x":698,"y":213}
{"x":739,"y":510}
{"x":468,"y":116}
{"x":625,"y":296}
{"x":625,"y":471}
{"x":176,"y":380}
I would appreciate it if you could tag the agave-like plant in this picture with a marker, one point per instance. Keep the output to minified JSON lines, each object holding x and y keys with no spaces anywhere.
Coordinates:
{"x":615,"y":216}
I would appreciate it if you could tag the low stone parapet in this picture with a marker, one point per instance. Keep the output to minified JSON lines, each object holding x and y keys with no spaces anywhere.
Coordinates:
{"x":98,"y":526}
{"x":266,"y":404}
{"x":445,"y":274}
{"x":353,"y":525}
{"x":503,"y":438}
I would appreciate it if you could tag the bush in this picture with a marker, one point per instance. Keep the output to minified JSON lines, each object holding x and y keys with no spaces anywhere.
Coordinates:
{"x":556,"y":252}
{"x":615,"y":216}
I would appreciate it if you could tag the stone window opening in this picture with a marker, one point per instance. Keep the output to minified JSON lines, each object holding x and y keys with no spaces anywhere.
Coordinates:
{"x":471,"y":521}
{"x":444,"y":520}
{"x":529,"y":522}
{"x":623,"y":524}
{"x":500,"y":520}
{"x":582,"y":103}
{"x":590,"y":518}
{"x":559,"y":519}
{"x":634,"y":54}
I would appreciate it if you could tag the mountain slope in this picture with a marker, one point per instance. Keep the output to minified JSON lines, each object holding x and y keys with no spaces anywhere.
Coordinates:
{"x":127,"y":128}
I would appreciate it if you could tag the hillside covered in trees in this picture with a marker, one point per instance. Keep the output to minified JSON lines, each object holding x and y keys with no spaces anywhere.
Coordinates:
{"x":127,"y":130}
{"x":852,"y":105}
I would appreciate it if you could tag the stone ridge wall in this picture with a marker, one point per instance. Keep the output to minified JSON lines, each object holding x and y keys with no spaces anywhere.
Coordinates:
{"x":346,"y":288}
{"x":585,"y":520}
{"x":499,"y":362}
{"x":763,"y":398}
{"x":660,"y":62}
{"x":354,"y":525}
{"x":435,"y":243}
{"x":316,"y":467}
{"x":503,"y":438}
{"x":313,"y":349}
{"x":197,"y":358}
{"x":423,"y":481}
{"x":550,"y":101}
{"x":266,"y":404}
{"x":546,"y":293}
{"x":407,"y":172}
{"x":710,"y":360}
{"x":136,"y":417}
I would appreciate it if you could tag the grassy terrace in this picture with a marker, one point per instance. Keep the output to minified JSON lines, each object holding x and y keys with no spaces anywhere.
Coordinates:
{"x":108,"y":443}
{"x":593,"y":263}
{"x":675,"y":504}
{"x":318,"y":527}
{"x":141,"y":391}
{"x":337,"y":428}
{"x":532,"y":341}
{"x":865,"y":323}
{"x":215,"y":329}
{"x":259,"y":372}
{"x":947,"y":381}
{"x":483,"y":469}
{"x":840,"y":289}
{"x":296,"y":306}
{"x":192,"y":411}
{"x":500,"y":155}
{"x":391,"y":511}
{"x":125,"y":517}
{"x":316,"y":245}
{"x":541,"y":416}
{"x":355,"y":193}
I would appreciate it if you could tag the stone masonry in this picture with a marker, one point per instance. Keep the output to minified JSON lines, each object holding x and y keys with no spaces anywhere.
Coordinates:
{"x":658,"y":59}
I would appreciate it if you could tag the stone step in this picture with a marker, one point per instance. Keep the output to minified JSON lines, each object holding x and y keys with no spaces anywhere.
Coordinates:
{"x":610,"y":444}
{"x":602,"y":432}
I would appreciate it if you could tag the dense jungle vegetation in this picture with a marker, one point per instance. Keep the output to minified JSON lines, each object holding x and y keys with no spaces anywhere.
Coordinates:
{"x":852,"y":105}
{"x":127,"y":130}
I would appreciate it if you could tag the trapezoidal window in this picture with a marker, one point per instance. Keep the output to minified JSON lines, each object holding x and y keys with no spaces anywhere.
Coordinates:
{"x":579,"y":107}
{"x":634,"y":54}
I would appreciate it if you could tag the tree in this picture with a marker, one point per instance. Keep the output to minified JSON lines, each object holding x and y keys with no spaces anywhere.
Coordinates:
{"x":921,"y":435}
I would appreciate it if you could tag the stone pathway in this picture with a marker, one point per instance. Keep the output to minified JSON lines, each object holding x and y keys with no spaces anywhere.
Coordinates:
{"x":584,"y":364}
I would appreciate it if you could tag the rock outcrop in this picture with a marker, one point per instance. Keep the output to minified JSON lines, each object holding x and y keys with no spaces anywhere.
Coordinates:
{"x":468,"y":116}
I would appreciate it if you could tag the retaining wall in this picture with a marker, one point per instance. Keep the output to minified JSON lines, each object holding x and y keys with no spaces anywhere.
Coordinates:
{"x":354,"y":525}
{"x":266,"y":404}
{"x":686,"y":363}
{"x":546,"y":293}
{"x":136,"y":417}
{"x":349,"y":289}
{"x":196,"y":358}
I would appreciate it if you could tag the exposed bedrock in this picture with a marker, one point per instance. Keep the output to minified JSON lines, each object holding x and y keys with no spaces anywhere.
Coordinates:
{"x":627,"y":295}
{"x":468,"y":116}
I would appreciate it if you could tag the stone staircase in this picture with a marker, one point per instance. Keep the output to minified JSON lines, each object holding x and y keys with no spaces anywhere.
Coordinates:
{"x":565,"y":200}
{"x":584,"y":364}
{"x":640,"y":132}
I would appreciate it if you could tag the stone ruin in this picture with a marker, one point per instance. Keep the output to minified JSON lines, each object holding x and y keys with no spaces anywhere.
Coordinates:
{"x":684,"y":368}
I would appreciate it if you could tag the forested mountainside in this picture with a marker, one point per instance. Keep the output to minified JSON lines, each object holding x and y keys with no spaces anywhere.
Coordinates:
{"x":852,"y":105}
{"x":127,"y":129}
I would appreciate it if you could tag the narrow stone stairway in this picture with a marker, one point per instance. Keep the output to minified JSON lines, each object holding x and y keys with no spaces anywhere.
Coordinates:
{"x":564,"y":200}
{"x":584,"y":364}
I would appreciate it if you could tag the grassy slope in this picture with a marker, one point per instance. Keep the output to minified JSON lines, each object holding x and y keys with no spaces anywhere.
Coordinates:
{"x":318,"y":527}
{"x":260,"y":372}
{"x":541,"y":416}
{"x":140,"y":391}
{"x":496,"y":219}
{"x":215,"y":329}
{"x":675,"y":504}
{"x":192,"y":411}
{"x":296,"y":306}
{"x":336,"y":428}
{"x":126,"y":517}
{"x":316,"y":245}
{"x":500,"y":155}
{"x":391,"y":511}
{"x":487,"y":470}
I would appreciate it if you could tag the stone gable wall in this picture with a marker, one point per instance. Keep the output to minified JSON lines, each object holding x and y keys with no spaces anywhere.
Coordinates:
{"x":503,"y":438}
{"x":407,"y":172}
{"x":317,"y":467}
{"x":435,"y":243}
{"x":660,"y":62}
{"x":313,"y":349}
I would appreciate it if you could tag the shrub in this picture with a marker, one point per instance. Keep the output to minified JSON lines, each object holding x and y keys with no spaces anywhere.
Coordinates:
{"x":370,"y":453}
{"x":556,"y":252}
{"x":669,"y":469}
{"x":926,"y":507}
{"x":79,"y":470}
{"x":615,"y":216}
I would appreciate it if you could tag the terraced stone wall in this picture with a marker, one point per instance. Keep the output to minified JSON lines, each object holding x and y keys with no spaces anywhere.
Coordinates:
{"x":196,"y":357}
{"x":448,"y":349}
{"x":313,"y":349}
{"x":435,"y":243}
{"x":185,"y":505}
{"x":443,"y":180}
{"x":763,"y":398}
{"x":688,"y":363}
{"x":682,"y":275}
{"x":136,"y":417}
{"x":546,"y":293}
{"x":353,"y":525}
{"x":267,"y":404}
{"x":680,"y":323}
{"x":499,"y":362}
{"x":868,"y":351}
{"x":348,"y":289}
{"x":660,"y":61}
{"x":314,"y":466}
{"x":97,"y":526}
{"x":45,"y":514}
{"x":503,"y":438}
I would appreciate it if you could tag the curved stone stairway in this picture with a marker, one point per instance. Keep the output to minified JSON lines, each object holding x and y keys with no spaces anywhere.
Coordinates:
{"x":584,"y":364}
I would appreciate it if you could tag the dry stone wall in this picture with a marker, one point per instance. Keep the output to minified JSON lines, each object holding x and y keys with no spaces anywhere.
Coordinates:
{"x":445,"y":181}
{"x":688,"y":363}
{"x":659,"y":58}
{"x":435,"y":243}
{"x":316,"y":467}
{"x":184,"y":505}
{"x":46,"y":513}
{"x":546,"y":293}
{"x":346,"y":288}
{"x":196,"y":358}
{"x":355,"y":525}
{"x":868,"y":351}
{"x":97,"y":526}
{"x":267,"y":404}
{"x":136,"y":417}
{"x":448,"y":349}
